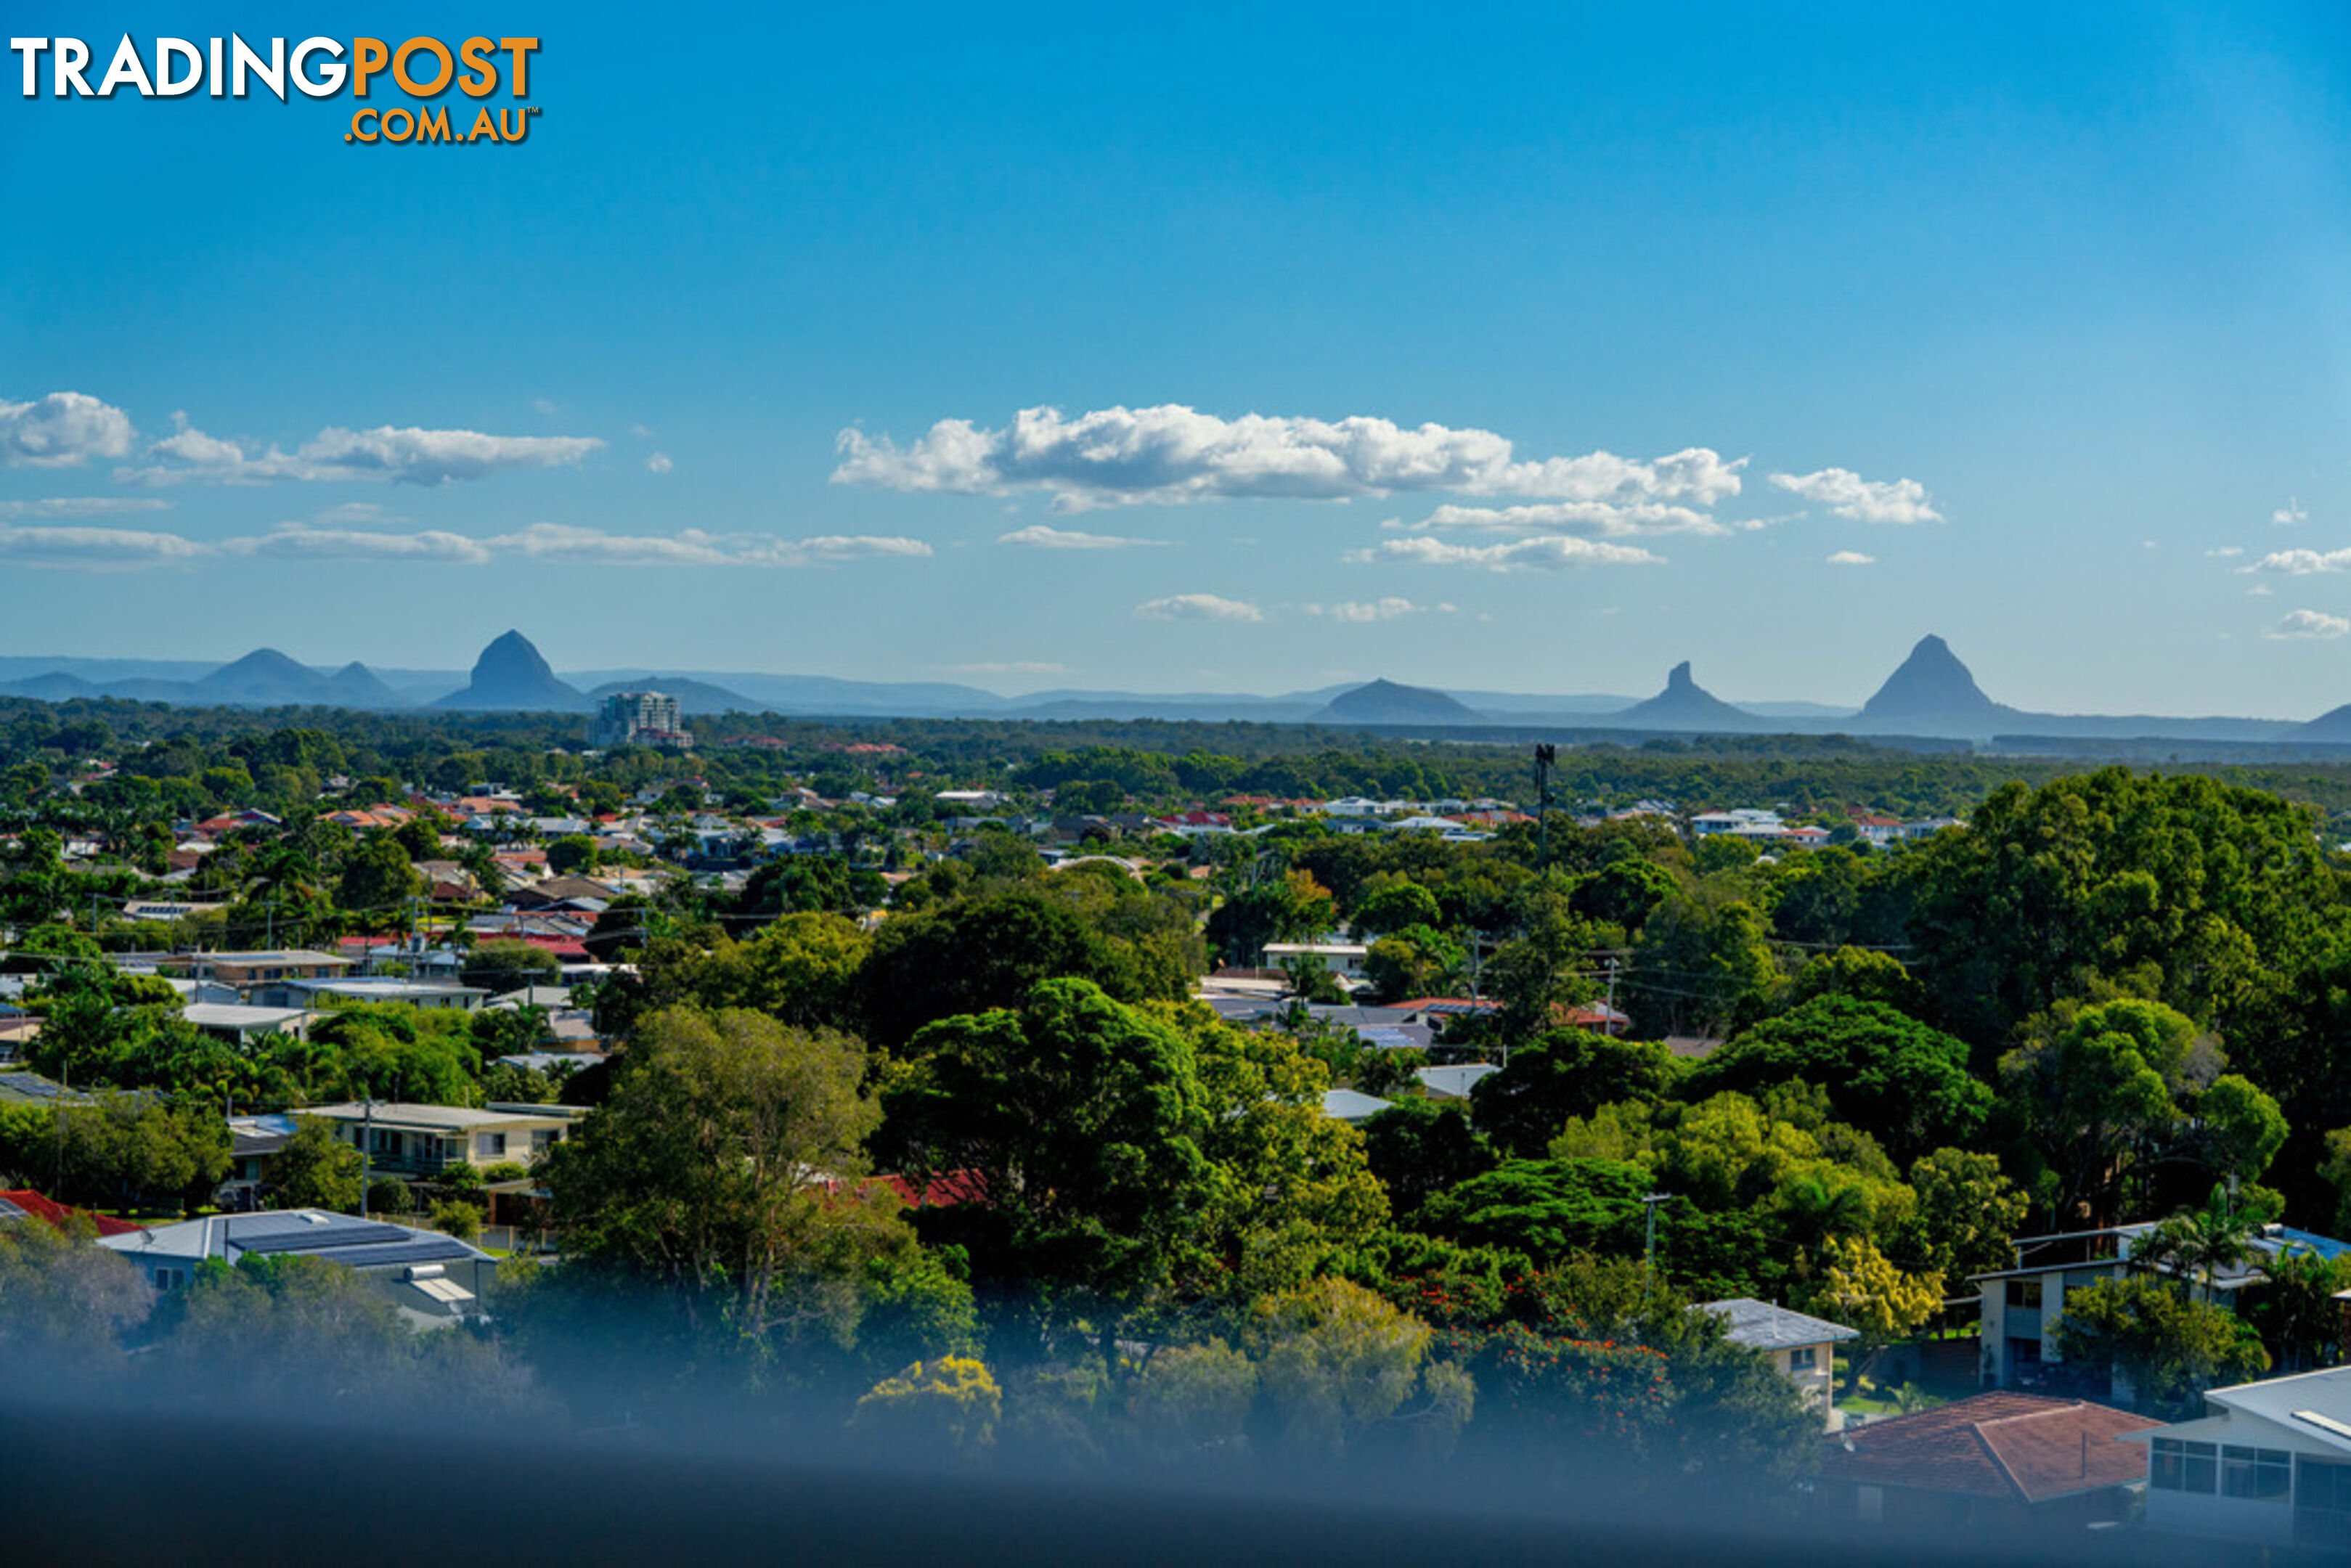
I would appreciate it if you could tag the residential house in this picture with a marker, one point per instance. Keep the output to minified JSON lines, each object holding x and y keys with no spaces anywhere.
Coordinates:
{"x":2266,"y":1461}
{"x":245,"y":969}
{"x":240,"y":1024}
{"x":425,"y":1140}
{"x":1801,"y":1348}
{"x":434,"y":1279}
{"x":23,"y":1203}
{"x":2004,"y":1459}
{"x":1345,"y":959}
{"x":1350,"y":1105}
{"x":320,"y":994}
{"x":1454,"y":1082}
{"x":2020,"y":1303}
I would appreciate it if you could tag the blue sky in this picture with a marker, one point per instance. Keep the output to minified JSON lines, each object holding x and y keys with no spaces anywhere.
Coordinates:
{"x":1533,"y":349}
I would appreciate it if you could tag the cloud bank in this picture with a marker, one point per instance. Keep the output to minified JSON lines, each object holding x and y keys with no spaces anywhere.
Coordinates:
{"x":552,"y":543}
{"x":396,"y":454}
{"x":1172,"y":453}
{"x":1549,"y":552}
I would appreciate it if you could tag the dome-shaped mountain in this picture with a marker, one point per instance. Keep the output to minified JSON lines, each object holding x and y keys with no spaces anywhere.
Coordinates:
{"x":1931,"y":684}
{"x":1386,"y":701}
{"x":356,"y":686}
{"x":263,"y":678}
{"x":1684,"y":704}
{"x":511,"y":677}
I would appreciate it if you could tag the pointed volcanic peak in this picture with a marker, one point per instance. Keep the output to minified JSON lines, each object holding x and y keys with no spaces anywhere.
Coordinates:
{"x":511,"y":677}
{"x":1931,"y":686}
{"x":1684,"y":704}
{"x":1388,"y":702}
{"x":263,"y":678}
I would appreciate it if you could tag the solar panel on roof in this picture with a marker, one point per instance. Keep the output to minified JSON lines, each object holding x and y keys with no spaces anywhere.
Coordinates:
{"x":1388,"y":1039}
{"x":423,"y":1248}
{"x":10,"y":1211}
{"x":324,"y":1238}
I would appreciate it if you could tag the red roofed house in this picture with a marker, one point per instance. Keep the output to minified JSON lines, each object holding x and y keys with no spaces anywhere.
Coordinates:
{"x":27,"y":1204}
{"x":2001,"y":1458}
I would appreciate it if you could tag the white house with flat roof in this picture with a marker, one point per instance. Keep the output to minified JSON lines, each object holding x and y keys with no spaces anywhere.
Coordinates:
{"x":425,"y":1140}
{"x":2267,"y":1461}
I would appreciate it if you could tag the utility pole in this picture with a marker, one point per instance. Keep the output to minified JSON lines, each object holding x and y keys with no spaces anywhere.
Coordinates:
{"x":367,"y":1153}
{"x":1649,"y":1249}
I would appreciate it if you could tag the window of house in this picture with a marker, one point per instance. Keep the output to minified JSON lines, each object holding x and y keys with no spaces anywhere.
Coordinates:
{"x":2177,"y":1466}
{"x":542,"y":1139}
{"x":489,"y":1145}
{"x":2321,"y":1503}
{"x":170,"y":1278}
{"x":1804,"y":1359}
{"x":2024,"y":1294}
{"x":2257,"y":1475}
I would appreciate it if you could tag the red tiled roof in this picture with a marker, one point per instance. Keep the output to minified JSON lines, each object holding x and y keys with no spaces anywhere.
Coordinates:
{"x":2014,"y":1446}
{"x":58,"y":1215}
{"x":943,"y":1191}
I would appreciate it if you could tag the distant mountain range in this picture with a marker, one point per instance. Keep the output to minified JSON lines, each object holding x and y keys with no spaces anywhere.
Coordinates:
{"x":1931,"y":695}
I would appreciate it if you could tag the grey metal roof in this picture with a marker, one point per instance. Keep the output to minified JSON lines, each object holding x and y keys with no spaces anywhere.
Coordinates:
{"x":1348,"y":1105}
{"x":1759,"y":1326}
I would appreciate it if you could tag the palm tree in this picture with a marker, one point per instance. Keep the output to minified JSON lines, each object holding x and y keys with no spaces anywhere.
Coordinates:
{"x":2198,"y":1243}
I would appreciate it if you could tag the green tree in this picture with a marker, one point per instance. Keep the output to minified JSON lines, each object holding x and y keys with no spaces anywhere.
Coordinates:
{"x":1336,"y":1363}
{"x":2096,"y":1088}
{"x":317,"y":1170}
{"x":1567,"y":1073}
{"x":1864,"y":1289}
{"x":378,"y":880}
{"x":1885,"y":1072}
{"x":1967,"y":1212}
{"x":724,"y":1170}
{"x":1082,"y":1120}
{"x":971,"y":956}
{"x":572,"y":854}
{"x":2167,"y":1348}
{"x":1418,"y":1148}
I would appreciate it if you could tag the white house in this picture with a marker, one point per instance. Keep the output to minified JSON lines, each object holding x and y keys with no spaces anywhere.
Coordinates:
{"x":1801,"y":1348}
{"x":2021,"y":1304}
{"x":432,"y":1278}
{"x":2266,"y":1461}
{"x":1345,"y":959}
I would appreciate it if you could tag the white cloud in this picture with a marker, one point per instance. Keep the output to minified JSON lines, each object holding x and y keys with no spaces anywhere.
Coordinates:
{"x":1848,"y":494}
{"x":299,"y":541}
{"x":2308,"y":626}
{"x":1172,"y":453}
{"x":1852,"y":558}
{"x":659,"y":463}
{"x":1548,"y":553}
{"x":2258,"y":590}
{"x":1390,"y":609}
{"x":552,"y":543}
{"x":87,"y":547}
{"x":1039,"y":536}
{"x":545,"y":406}
{"x":1589,"y":519}
{"x":81,"y":507}
{"x":61,"y":430}
{"x":404,"y":455}
{"x":1197,"y":607}
{"x":2291,"y":513}
{"x":2224,"y":552}
{"x":2303,"y":562}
